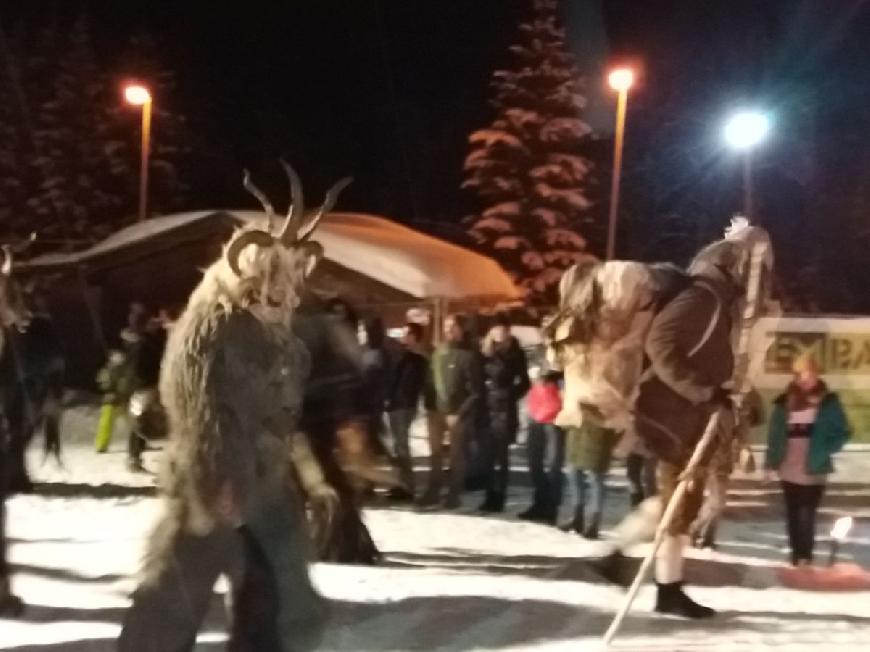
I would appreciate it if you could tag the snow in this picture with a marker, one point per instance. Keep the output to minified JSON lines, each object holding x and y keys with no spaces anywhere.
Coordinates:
{"x":405,"y":259}
{"x":451,"y":581}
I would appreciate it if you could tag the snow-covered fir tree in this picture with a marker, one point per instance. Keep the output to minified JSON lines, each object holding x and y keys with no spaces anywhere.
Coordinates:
{"x":526,"y":167}
{"x":71,"y":167}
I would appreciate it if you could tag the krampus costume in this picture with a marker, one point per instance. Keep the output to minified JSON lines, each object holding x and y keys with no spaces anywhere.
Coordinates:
{"x":333,"y":418}
{"x":13,"y":315}
{"x":687,"y":333}
{"x":232,"y":385}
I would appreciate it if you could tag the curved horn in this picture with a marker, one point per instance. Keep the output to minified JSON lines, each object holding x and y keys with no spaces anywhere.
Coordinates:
{"x":25,"y":244}
{"x":311,"y":223}
{"x":296,"y":211}
{"x":6,"y":268}
{"x":259,"y":238}
{"x":261,"y":197}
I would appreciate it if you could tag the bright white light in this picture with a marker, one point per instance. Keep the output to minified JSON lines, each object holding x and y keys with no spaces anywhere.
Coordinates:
{"x":137,"y":95}
{"x":746,"y":129}
{"x":841,"y":528}
{"x":621,"y":79}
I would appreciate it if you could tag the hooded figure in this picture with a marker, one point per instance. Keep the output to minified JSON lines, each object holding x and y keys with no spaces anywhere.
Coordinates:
{"x":232,"y":383}
{"x":691,"y":348}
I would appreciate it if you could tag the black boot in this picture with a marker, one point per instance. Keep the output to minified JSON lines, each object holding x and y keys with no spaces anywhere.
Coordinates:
{"x":672,"y":600}
{"x":615,"y":568}
{"x":10,"y":605}
{"x":493,"y":503}
{"x":575,"y":524}
{"x":591,"y":532}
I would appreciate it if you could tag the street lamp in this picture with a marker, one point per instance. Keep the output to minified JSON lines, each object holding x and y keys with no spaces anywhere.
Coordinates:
{"x":743,"y":132}
{"x":620,"y":80}
{"x":139,"y":95}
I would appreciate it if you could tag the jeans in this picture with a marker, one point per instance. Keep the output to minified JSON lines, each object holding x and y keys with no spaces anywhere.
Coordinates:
{"x":400,"y":425}
{"x":546,"y":455}
{"x":801,"y":506}
{"x":578,"y":479}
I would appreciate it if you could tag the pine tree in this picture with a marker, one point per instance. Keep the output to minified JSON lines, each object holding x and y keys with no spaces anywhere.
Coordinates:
{"x":70,"y":165}
{"x":527,"y":166}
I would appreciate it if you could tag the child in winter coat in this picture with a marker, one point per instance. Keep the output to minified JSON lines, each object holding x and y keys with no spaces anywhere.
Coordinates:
{"x":117,"y":382}
{"x":590,"y":449}
{"x":545,"y":449}
{"x":807,"y":426}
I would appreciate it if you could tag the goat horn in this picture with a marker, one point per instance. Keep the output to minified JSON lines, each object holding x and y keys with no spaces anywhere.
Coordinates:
{"x":261,"y":197}
{"x":307,"y":229}
{"x":24,"y":245}
{"x":259,"y":238}
{"x":6,"y":268}
{"x":296,"y":211}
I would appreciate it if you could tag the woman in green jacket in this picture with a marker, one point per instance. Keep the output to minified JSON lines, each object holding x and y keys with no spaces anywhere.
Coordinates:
{"x":807,"y":426}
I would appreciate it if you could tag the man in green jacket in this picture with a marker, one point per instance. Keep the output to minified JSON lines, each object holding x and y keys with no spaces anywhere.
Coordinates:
{"x":456,"y":388}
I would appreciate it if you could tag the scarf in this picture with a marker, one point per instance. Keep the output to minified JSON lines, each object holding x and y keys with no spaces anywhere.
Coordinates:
{"x":798,"y":398}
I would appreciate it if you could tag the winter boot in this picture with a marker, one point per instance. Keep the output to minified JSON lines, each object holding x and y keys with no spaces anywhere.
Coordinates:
{"x":430,"y":497}
{"x":591,"y":532}
{"x":576,"y":524}
{"x":452,"y":501}
{"x":538,"y":513}
{"x":494,"y":502}
{"x":533,"y":513}
{"x":615,"y":568}
{"x":134,"y":465}
{"x":672,"y":600}
{"x":10,"y":605}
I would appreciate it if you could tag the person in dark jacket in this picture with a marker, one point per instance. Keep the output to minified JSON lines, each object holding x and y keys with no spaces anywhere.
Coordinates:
{"x":403,"y":398}
{"x":506,"y":376}
{"x":147,"y":414}
{"x":807,"y":427}
{"x":376,"y":376}
{"x":456,"y":388}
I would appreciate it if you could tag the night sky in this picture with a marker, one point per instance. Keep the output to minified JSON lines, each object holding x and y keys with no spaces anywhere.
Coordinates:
{"x":388,"y":90}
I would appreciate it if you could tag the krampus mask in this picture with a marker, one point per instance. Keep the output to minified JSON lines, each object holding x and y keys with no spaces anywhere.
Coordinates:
{"x":269,"y":265}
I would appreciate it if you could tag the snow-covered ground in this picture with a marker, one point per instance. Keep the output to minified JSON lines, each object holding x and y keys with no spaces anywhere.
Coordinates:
{"x":450,"y":581}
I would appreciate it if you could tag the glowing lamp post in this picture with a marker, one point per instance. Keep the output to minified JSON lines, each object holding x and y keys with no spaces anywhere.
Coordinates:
{"x":838,"y":534}
{"x":620,"y":80}
{"x":743,"y":132}
{"x":139,"y":95}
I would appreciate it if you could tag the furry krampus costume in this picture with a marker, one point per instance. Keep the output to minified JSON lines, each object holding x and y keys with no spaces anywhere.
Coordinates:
{"x":232,"y":385}
{"x":13,"y":315}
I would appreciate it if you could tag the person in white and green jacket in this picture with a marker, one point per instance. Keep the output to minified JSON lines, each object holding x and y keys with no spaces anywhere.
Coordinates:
{"x":807,"y":426}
